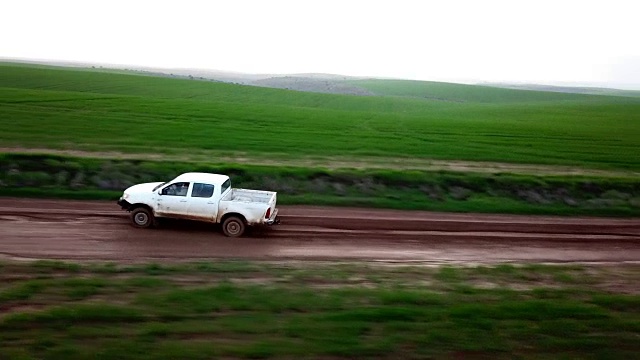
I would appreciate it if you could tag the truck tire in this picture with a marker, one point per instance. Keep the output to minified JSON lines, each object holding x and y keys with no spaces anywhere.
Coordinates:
{"x":233,"y":226}
{"x":142,"y":217}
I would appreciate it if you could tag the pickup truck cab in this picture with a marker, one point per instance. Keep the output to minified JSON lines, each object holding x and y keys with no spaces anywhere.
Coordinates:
{"x":202,"y":197}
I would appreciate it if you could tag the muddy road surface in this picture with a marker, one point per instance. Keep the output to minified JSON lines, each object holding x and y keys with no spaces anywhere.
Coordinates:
{"x":94,"y":230}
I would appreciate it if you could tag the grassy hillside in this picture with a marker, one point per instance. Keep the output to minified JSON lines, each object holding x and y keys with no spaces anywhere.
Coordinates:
{"x":462,"y":93}
{"x":569,"y":89}
{"x":97,"y":111}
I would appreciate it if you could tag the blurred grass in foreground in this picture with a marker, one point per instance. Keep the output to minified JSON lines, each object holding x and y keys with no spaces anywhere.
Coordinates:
{"x":236,"y":309}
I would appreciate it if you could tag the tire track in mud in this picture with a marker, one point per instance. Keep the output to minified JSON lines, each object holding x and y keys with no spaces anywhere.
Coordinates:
{"x":86,"y":230}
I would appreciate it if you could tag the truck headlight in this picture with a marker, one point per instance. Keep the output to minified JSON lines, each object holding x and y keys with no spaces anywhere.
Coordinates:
{"x":125,"y":196}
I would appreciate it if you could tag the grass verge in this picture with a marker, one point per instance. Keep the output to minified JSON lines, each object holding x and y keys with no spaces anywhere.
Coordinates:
{"x":235,"y":309}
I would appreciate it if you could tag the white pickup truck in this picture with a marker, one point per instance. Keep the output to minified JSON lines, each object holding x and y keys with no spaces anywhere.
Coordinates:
{"x":203,"y":197}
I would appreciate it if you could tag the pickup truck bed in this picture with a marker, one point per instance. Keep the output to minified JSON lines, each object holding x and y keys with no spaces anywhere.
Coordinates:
{"x":245,"y":195}
{"x":253,"y":203}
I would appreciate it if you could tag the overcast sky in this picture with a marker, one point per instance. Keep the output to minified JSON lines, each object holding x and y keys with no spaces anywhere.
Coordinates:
{"x":551,"y":42}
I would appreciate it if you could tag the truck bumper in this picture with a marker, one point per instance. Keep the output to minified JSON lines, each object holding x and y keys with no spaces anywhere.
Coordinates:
{"x":124,"y":204}
{"x":274,"y":219}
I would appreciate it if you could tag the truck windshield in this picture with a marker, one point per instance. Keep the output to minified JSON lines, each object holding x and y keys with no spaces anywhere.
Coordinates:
{"x":225,"y":186}
{"x":158,"y":187}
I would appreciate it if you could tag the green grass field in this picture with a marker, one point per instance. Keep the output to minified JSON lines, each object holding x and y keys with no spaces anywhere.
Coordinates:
{"x":232,"y":309}
{"x":56,"y":108}
{"x":276,"y":139}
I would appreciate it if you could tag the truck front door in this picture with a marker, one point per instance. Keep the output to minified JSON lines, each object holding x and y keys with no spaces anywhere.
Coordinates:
{"x":173,"y":201}
{"x":203,"y":205}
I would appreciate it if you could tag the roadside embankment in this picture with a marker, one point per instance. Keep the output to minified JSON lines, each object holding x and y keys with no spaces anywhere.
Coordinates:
{"x":98,"y":178}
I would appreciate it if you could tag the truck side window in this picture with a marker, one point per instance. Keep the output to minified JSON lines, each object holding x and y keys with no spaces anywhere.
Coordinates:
{"x":176,"y":189}
{"x":202,"y":190}
{"x":225,"y":186}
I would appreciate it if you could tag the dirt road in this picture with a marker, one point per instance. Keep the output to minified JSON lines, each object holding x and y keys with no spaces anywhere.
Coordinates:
{"x":56,"y":229}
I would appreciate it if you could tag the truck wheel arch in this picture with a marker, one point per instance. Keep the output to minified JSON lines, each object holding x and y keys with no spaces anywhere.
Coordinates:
{"x":142,"y":216}
{"x":234,"y":224}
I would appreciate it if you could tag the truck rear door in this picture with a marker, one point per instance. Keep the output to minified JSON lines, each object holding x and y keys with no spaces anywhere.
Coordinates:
{"x":203,"y":204}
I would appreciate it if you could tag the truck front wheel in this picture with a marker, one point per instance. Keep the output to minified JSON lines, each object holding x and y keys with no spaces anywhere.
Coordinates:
{"x":142,"y":217}
{"x":233,"y":226}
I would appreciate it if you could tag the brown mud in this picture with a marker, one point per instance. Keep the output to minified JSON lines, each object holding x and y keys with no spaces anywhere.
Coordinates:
{"x":97,"y":230}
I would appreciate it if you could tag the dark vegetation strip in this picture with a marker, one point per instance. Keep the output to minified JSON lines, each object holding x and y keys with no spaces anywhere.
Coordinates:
{"x":231,"y":309}
{"x":87,"y":178}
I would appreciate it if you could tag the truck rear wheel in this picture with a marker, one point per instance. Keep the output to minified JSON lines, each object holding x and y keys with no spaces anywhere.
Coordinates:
{"x":233,"y":226}
{"x":142,"y":217}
